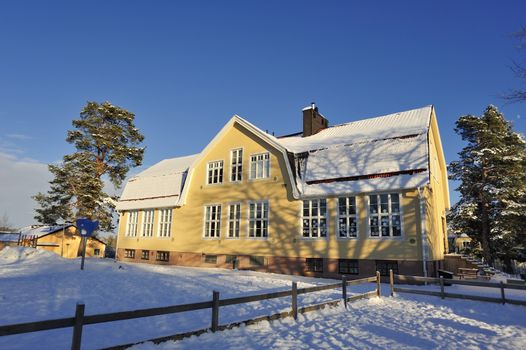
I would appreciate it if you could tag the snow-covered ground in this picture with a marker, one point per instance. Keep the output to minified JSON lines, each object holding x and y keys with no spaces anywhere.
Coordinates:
{"x":37,"y":285}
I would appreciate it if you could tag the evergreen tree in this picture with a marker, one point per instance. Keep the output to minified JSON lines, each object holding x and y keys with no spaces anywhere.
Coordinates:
{"x":107,"y":145}
{"x":492,"y":175}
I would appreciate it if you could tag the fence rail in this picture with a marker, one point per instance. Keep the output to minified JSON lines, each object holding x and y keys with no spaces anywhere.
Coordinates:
{"x":81,"y":320}
{"x":443,"y":294}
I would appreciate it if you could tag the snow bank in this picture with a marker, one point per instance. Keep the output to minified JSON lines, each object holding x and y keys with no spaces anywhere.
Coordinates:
{"x":25,"y":254}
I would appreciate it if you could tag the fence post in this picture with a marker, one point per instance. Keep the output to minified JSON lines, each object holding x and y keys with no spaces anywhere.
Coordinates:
{"x":295,"y":300}
{"x":344,"y":290}
{"x":77,"y":326}
{"x":502,"y":292}
{"x":378,"y":292}
{"x":215,"y":310}
{"x":442,"y":287}
{"x":391,"y":281}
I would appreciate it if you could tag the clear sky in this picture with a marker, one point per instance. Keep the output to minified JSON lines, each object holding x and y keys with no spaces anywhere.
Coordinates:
{"x":184,"y":68}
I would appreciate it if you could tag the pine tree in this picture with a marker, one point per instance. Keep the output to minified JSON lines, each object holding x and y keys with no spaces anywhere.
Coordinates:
{"x":492,"y":175}
{"x":107,"y":145}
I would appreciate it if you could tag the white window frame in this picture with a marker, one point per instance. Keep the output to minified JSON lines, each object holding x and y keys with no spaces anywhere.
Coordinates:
{"x":264,"y":163}
{"x":389,"y":214}
{"x":317,"y":217}
{"x":148,"y":217}
{"x":132,"y":224}
{"x":211,"y":167}
{"x":347,"y":216}
{"x":165,"y":223}
{"x":236,"y":165}
{"x":252,"y":221}
{"x":207,"y":219}
{"x":234,"y":223}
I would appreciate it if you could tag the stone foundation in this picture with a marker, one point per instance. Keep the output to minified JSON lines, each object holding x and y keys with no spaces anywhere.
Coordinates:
{"x":279,"y":264}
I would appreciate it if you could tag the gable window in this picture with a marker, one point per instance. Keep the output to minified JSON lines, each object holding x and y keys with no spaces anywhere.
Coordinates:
{"x":314,"y":223}
{"x":234,"y":216}
{"x":383,"y":266}
{"x":129,"y":253}
{"x":165,"y":222}
{"x":212,"y":228}
{"x":96,"y":252}
{"x":348,"y":267}
{"x":315,"y":264}
{"x":258,"y":220}
{"x":131,"y":227}
{"x":347,"y":220}
{"x":215,"y":172}
{"x":145,"y":254}
{"x":384,"y":215}
{"x":236,"y":166}
{"x":147,"y":223}
{"x":163,"y":256}
{"x":260,"y":166}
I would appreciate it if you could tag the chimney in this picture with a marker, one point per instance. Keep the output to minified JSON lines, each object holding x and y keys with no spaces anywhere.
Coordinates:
{"x":313,"y":121}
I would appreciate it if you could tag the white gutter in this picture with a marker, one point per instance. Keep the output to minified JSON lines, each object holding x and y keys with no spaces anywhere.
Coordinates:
{"x":423,"y":229}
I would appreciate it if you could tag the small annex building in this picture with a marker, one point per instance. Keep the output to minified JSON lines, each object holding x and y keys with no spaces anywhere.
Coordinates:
{"x":60,"y":239}
{"x":347,"y":199}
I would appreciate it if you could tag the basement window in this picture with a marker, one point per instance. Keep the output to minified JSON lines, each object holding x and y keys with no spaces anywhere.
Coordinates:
{"x":257,"y":260}
{"x":211,"y":259}
{"x":145,"y":255}
{"x":129,"y":253}
{"x":315,"y":264}
{"x":348,"y":267}
{"x":163,"y":256}
{"x":383,"y":266}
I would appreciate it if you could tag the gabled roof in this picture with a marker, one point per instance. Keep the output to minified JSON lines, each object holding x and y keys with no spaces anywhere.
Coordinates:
{"x":158,"y":186}
{"x":41,"y":230}
{"x":376,"y":154}
{"x":383,"y":153}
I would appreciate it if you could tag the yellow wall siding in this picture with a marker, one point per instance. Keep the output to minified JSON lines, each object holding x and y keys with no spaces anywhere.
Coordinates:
{"x":285,"y":237}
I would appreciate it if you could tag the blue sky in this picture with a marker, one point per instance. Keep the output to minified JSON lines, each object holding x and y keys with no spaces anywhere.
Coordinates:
{"x":185,"y":67}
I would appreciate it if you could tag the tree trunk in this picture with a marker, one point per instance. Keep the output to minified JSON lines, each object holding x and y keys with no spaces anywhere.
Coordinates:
{"x":484,"y":234}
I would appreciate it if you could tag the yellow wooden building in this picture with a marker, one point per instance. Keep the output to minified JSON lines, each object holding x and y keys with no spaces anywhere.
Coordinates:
{"x":346,"y":199}
{"x":62,"y":240}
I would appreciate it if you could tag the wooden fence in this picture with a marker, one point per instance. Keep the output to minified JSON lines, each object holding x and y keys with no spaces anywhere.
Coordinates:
{"x":443,"y":294}
{"x":80,"y":320}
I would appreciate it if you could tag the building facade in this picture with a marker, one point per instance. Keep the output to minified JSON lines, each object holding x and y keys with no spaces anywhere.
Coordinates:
{"x":348,"y":199}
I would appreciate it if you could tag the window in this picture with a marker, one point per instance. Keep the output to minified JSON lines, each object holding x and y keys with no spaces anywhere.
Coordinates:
{"x":260,"y":166}
{"x":347,"y":220}
{"x":215,"y":172}
{"x":383,"y":266}
{"x":314,"y":264}
{"x":236,"y":165}
{"x":145,"y":255}
{"x":147,"y":223}
{"x":96,"y":252}
{"x":165,"y":222}
{"x":258,"y":220}
{"x":384,"y":215}
{"x":129,"y":253}
{"x":314,"y":218}
{"x":212,"y":227}
{"x":131,"y":228}
{"x":211,"y":259}
{"x":348,"y":267}
{"x":257,"y":260}
{"x":234,"y":216}
{"x":163,"y":256}
{"x":229,"y":259}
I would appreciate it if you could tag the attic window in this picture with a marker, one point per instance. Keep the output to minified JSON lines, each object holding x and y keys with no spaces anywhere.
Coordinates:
{"x":215,"y":172}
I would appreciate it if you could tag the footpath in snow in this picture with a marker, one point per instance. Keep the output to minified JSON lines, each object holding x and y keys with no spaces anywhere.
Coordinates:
{"x":37,"y":285}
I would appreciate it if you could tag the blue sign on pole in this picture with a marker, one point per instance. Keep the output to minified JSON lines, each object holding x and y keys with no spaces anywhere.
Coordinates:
{"x":86,"y":226}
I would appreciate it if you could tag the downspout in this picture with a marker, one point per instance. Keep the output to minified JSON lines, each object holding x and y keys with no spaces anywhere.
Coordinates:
{"x":423,"y":229}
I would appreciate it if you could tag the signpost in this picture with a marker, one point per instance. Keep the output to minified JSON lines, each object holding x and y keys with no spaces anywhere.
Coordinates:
{"x":86,"y":228}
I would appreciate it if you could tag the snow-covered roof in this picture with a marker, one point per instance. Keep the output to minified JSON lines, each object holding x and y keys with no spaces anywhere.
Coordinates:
{"x":158,"y":186}
{"x":395,"y":125}
{"x":9,"y":237}
{"x":41,"y":230}
{"x":382,"y":153}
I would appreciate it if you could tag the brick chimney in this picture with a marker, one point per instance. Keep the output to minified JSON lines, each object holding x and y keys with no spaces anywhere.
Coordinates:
{"x":313,"y":121}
